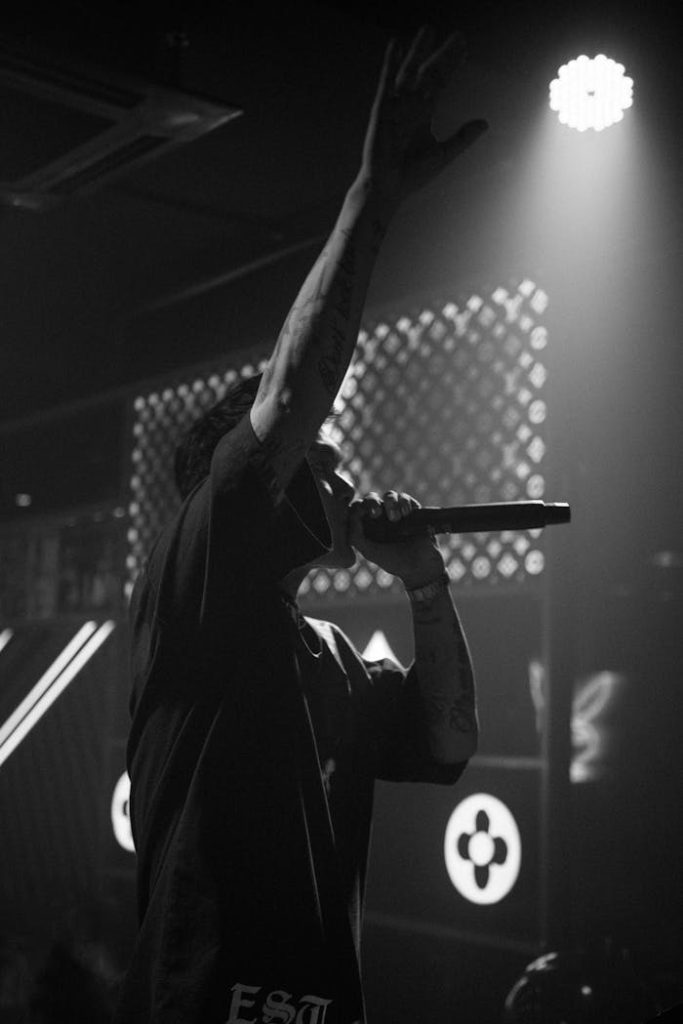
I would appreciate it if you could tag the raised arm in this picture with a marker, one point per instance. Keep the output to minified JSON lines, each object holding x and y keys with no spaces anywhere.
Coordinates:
{"x":316,"y":344}
{"x":317,"y":341}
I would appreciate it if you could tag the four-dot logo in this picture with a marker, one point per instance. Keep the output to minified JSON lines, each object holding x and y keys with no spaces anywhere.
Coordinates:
{"x":482,"y":849}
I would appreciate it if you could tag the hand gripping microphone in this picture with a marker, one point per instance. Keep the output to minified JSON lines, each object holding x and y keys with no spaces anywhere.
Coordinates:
{"x":497,"y":516}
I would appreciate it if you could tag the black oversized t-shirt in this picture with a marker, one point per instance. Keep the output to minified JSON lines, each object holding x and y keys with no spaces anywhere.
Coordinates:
{"x":255,"y":742}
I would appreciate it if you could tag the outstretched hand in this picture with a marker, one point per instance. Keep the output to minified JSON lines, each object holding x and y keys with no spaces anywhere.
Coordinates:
{"x":401,"y":153}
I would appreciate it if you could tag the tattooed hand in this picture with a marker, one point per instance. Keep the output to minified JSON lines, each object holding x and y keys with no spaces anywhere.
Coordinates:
{"x":401,"y":153}
{"x":415,"y":560}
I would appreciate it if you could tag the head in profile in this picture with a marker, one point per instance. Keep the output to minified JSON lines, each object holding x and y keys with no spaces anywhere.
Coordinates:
{"x":192,"y":460}
{"x":192,"y":464}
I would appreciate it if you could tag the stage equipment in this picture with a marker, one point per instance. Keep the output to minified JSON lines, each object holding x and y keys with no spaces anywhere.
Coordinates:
{"x":115,"y":122}
{"x":591,"y":93}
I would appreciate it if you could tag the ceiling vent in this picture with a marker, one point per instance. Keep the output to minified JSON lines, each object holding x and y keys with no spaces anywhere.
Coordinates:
{"x":68,"y":131}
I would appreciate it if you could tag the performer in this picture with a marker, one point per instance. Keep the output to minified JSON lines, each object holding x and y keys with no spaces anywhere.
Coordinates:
{"x":257,"y":734}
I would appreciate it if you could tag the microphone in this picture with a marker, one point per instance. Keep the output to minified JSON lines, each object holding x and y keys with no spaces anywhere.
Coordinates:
{"x":496,"y":516}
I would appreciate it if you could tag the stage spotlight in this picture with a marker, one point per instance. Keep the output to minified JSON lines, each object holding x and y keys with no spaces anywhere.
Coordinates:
{"x":591,"y":93}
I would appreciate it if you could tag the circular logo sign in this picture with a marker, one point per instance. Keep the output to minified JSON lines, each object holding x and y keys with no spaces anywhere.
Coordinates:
{"x":482,"y":849}
{"x":120,"y":813}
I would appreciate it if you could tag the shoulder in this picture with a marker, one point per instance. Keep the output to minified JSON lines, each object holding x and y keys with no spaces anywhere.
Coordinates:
{"x":338,"y":643}
{"x":238,"y":455}
{"x":331,"y":633}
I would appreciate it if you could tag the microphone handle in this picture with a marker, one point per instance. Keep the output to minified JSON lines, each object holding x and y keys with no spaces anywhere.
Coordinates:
{"x":496,"y":516}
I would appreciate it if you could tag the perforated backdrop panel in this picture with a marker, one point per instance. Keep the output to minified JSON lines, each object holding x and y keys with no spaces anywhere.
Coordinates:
{"x":445,"y":400}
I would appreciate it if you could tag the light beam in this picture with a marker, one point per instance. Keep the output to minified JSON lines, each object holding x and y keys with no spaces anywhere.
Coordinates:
{"x":51,"y":685}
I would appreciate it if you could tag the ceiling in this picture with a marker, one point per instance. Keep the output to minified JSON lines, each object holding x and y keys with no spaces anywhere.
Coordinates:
{"x":201,"y":247}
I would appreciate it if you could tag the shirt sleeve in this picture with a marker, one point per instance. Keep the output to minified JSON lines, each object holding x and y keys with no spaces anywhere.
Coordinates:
{"x":398,"y":724}
{"x":235,"y":535}
{"x":391,"y":708}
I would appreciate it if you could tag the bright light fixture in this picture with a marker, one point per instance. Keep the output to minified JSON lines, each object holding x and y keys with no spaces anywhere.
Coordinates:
{"x":591,"y":93}
{"x":379,"y":648}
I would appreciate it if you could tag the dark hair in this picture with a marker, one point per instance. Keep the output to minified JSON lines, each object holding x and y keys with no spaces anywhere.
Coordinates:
{"x":193,"y":455}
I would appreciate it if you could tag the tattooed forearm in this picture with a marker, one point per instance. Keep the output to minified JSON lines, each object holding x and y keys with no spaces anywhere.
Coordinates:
{"x":334,"y":361}
{"x":299,"y":325}
{"x":344,"y":305}
{"x":446,"y":678}
{"x":447,"y":682}
{"x":455,"y":713}
{"x":331,"y":366}
{"x":323,"y":320}
{"x":319,"y":336}
{"x":379,"y":230}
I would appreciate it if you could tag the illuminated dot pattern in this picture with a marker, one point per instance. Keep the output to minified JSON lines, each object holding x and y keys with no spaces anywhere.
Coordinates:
{"x":445,"y":401}
{"x":591,"y":93}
